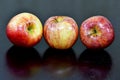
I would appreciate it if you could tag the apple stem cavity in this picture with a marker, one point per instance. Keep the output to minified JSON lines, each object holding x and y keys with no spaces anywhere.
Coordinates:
{"x":30,"y":27}
{"x":95,"y":31}
{"x":58,"y":19}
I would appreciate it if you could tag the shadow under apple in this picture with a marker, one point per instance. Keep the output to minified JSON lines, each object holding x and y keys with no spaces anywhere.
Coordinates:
{"x":59,"y":63}
{"x":94,"y":64}
{"x":23,"y":62}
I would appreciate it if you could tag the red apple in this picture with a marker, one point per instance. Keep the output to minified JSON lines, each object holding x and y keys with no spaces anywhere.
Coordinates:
{"x":24,"y":29}
{"x":96,"y":32}
{"x":60,"y":32}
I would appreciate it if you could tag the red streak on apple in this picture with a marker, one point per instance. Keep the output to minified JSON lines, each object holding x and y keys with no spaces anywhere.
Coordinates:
{"x":96,"y":32}
{"x":60,"y":32}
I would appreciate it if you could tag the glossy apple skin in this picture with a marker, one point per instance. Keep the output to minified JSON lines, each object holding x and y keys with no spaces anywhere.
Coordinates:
{"x":60,"y":32}
{"x":24,"y":29}
{"x":102,"y":38}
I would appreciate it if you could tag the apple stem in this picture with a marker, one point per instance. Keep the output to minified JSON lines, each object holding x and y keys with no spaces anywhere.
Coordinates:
{"x":56,"y":20}
{"x":94,"y":31}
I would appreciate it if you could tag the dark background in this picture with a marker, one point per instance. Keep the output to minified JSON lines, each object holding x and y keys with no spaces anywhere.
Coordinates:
{"x":44,"y":63}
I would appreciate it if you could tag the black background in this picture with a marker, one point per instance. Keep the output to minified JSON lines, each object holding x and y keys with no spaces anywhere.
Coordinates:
{"x":78,"y":63}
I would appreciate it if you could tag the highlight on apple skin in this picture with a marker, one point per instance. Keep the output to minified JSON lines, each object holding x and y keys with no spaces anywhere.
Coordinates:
{"x":60,"y":32}
{"x":97,"y":32}
{"x":24,"y":29}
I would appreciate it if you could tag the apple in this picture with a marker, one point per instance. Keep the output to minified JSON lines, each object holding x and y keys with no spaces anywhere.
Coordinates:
{"x":24,"y":29}
{"x":60,"y":32}
{"x":96,"y":32}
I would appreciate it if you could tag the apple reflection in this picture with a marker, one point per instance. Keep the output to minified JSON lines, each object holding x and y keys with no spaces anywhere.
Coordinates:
{"x":23,"y":62}
{"x":94,"y":65}
{"x":59,"y":63}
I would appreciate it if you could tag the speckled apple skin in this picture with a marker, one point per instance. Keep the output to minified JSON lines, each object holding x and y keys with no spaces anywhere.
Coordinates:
{"x":17,"y":30}
{"x":62,"y":34}
{"x":102,"y":39}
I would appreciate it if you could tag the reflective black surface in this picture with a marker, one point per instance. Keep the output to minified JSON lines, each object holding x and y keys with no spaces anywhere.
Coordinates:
{"x":94,"y":65}
{"x":23,"y":62}
{"x":59,"y":63}
{"x":42,"y":62}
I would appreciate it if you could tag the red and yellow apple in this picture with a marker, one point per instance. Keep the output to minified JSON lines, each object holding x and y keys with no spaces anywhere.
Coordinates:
{"x":96,"y":32}
{"x":24,"y":29}
{"x":60,"y":32}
